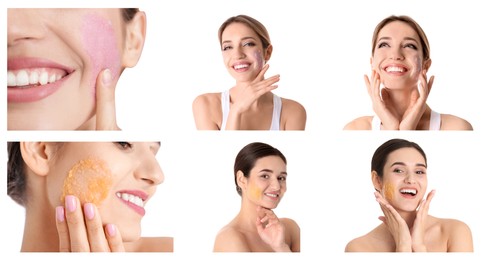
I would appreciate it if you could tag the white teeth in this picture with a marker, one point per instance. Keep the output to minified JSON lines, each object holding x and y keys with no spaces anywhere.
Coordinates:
{"x":131,"y":198}
{"x":394,"y":69}
{"x":241,"y":66}
{"x":271,"y":195}
{"x":411,"y":191}
{"x":35,"y":76}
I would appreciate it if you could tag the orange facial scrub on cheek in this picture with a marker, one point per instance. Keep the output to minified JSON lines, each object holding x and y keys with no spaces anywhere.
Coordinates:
{"x":255,"y":193}
{"x":90,"y":180}
{"x":388,"y":192}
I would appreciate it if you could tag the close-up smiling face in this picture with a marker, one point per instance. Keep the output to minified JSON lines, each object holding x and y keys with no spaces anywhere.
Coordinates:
{"x":118,"y":177}
{"x":398,"y":55}
{"x":54,"y":58}
{"x":266,"y":183}
{"x":404,"y":180}
{"x":243,"y":52}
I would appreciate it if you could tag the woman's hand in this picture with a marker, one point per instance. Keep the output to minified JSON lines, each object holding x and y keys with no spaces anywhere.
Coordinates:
{"x":418,"y":101}
{"x":419,"y":225}
{"x":395,"y":224}
{"x":80,"y":229}
{"x":105,"y":101}
{"x":271,"y":230}
{"x":381,"y":104}
{"x":258,"y":87}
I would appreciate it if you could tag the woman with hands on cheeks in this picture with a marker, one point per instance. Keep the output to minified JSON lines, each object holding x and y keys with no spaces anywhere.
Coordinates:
{"x":63,"y":65}
{"x":399,"y":85}
{"x":399,"y":175}
{"x":85,"y":197}
{"x":250,"y":104}
{"x":260,"y":178}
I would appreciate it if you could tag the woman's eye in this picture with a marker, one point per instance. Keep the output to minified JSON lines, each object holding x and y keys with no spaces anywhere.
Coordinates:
{"x":420,"y":172}
{"x":250,"y":44}
{"x":225,"y":48}
{"x":125,"y":145}
{"x":398,"y":170}
{"x":411,"y":46}
{"x":282,"y":178}
{"x":383,"y":44}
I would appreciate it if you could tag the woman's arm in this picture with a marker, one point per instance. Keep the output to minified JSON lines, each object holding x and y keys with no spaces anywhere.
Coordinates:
{"x":203,"y":113}
{"x":293,"y":233}
{"x":295,"y":115}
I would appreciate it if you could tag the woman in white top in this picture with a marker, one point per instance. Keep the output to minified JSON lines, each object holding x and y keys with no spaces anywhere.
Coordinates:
{"x":400,"y":61}
{"x":249,"y":104}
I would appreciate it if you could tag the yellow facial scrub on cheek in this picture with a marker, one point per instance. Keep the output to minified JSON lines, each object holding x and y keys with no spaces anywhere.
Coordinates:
{"x":255,"y":193}
{"x":388,"y":191}
{"x":90,"y":180}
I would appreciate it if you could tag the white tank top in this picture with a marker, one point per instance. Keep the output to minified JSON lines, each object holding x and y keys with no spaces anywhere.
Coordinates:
{"x":275,"y":120}
{"x":435,"y":122}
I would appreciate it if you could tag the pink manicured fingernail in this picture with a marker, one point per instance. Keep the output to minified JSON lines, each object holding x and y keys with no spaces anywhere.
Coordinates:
{"x":59,"y":213}
{"x":106,"y":77}
{"x":111,"y":230}
{"x":70,"y":203}
{"x":89,"y":210}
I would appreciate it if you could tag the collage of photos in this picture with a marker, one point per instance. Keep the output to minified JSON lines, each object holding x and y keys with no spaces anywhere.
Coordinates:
{"x":215,"y":128}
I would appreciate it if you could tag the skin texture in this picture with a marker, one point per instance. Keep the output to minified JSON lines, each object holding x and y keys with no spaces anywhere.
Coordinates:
{"x":399,"y":98}
{"x":93,"y":45}
{"x":407,"y":226}
{"x":251,"y":100}
{"x":89,"y":180}
{"x":88,"y":170}
{"x":256,"y":228}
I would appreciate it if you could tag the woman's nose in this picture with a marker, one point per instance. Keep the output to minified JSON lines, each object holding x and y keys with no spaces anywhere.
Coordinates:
{"x":24,"y":24}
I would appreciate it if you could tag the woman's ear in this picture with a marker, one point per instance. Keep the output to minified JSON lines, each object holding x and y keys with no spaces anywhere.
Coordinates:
{"x":267,"y":56}
{"x":241,"y":180}
{"x":36,"y":156}
{"x":134,"y":39}
{"x":426,"y":64}
{"x":377,"y":182}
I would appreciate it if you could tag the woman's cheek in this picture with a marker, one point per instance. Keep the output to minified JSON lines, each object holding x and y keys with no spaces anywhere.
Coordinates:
{"x":90,"y":180}
{"x":388,"y":192}
{"x":255,"y":193}
{"x":100,"y":42}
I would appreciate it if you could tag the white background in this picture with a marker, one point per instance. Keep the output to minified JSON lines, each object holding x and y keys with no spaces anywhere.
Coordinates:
{"x":321,"y":51}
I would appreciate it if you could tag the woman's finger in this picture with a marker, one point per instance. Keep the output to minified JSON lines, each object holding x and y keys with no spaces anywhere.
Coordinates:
{"x":75,"y":222}
{"x":95,"y":230}
{"x":62,"y":229}
{"x":105,"y":101}
{"x":114,"y":238}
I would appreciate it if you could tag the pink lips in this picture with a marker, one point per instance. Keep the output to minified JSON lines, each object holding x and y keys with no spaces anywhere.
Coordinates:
{"x":38,"y":92}
{"x":140,"y":210}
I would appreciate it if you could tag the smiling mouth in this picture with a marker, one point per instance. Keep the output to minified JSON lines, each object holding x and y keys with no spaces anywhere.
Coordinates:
{"x":395,"y":69}
{"x":127,"y":197}
{"x":272,"y":195}
{"x":240,"y":66}
{"x":411,"y":192}
{"x":25,"y":78}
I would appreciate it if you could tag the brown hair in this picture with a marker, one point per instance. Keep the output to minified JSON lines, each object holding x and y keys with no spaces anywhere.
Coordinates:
{"x":410,"y":22}
{"x":252,"y":23}
{"x":16,"y":178}
{"x":129,"y":13}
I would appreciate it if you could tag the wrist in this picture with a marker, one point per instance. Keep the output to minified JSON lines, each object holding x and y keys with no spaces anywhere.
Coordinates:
{"x":282,"y":248}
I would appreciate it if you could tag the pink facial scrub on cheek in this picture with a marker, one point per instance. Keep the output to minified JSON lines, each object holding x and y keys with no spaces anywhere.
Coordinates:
{"x":100,"y":43}
{"x":259,"y":60}
{"x":90,"y":180}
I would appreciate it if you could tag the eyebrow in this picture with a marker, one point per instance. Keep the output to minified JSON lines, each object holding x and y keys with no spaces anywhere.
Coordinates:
{"x":404,"y":164}
{"x":271,"y":171}
{"x":404,"y":38}
{"x":242,"y":39}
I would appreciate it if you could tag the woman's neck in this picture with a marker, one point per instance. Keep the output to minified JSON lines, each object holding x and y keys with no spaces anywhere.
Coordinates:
{"x":40,"y":232}
{"x":248,"y":215}
{"x":400,"y":101}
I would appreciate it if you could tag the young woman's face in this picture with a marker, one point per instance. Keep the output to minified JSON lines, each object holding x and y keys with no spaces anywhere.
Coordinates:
{"x":404,"y":179}
{"x":243,"y":52}
{"x":266,"y":184}
{"x":118,"y":177}
{"x":398,"y":55}
{"x":54,"y":58}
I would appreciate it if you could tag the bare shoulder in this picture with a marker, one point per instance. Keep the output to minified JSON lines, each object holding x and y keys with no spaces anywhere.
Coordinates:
{"x":151,"y":244}
{"x":207,"y":111}
{"x":230,"y":239}
{"x":290,"y":224}
{"x":293,"y":115}
{"x":360,"y":123}
{"x":458,"y":234}
{"x":451,"y":122}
